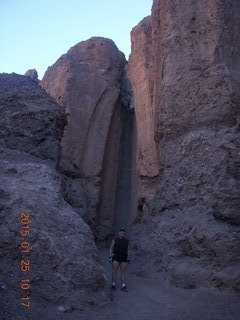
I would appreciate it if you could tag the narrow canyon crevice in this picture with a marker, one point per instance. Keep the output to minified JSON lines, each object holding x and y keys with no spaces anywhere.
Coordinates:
{"x":126,"y":174}
{"x":117,"y":202}
{"x":167,"y":169}
{"x":172,"y":168}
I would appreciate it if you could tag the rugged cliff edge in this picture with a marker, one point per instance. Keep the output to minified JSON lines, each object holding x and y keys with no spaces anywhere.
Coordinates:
{"x":185,"y":72}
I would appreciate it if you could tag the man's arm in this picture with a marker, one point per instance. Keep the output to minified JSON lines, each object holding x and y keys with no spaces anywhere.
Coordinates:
{"x":129,"y":252}
{"x":111,"y":247}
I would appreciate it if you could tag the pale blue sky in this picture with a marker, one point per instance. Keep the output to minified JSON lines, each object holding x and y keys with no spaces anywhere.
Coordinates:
{"x":35,"y":33}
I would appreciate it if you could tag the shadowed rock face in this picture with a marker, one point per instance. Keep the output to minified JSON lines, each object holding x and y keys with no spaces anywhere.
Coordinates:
{"x":63,"y":257}
{"x":185,"y":72}
{"x":31,"y":120}
{"x":89,"y":81}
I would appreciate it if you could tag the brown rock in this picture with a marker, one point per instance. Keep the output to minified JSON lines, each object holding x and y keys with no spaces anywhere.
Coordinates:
{"x":32,"y":73}
{"x":89,"y":81}
{"x":142,"y":81}
{"x":140,"y":73}
{"x":185,"y":71}
{"x":31,"y":120}
{"x":63,"y":257}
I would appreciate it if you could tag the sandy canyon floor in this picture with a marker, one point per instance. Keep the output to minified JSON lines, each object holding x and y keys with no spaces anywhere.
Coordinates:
{"x":150,"y":296}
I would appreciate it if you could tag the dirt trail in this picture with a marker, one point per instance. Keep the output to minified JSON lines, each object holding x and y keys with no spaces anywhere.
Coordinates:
{"x":150,"y":297}
{"x":153,"y":297}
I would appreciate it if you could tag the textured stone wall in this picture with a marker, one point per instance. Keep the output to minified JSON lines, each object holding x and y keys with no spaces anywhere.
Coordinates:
{"x":90,"y":82}
{"x":65,"y":270}
{"x":187,"y":113}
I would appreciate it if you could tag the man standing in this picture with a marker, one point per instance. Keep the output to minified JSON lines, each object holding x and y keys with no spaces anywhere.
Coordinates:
{"x":119,"y":254}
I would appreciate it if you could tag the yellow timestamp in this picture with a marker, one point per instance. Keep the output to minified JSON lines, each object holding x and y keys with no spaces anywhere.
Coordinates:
{"x":25,"y":264}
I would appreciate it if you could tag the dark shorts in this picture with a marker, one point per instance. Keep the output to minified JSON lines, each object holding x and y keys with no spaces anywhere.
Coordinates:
{"x":119,"y":258}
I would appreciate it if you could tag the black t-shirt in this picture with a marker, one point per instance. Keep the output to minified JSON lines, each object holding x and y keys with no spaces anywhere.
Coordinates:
{"x":120,"y":247}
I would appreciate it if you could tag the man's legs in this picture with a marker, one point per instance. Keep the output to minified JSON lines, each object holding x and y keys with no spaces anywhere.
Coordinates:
{"x":123,"y":272}
{"x":115,"y":265}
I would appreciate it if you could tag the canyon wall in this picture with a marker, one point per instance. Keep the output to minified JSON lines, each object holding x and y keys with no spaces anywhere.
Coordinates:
{"x":172,"y":172}
{"x":63,"y":257}
{"x":90,"y":82}
{"x":185,"y":72}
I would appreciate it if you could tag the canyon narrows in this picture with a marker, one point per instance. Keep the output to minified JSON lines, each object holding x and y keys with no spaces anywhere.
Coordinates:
{"x":172,"y":173}
{"x":151,"y":144}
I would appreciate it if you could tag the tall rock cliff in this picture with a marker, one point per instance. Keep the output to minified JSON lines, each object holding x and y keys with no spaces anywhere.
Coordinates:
{"x":63,"y":257}
{"x":89,"y":81}
{"x":185,"y":72}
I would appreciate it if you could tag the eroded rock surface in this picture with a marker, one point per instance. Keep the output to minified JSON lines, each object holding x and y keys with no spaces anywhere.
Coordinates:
{"x":31,"y":120}
{"x":90,"y":82}
{"x":65,"y":268}
{"x":185,"y":71}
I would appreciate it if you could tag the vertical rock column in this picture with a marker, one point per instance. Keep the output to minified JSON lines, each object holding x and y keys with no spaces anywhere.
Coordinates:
{"x":88,"y":81}
{"x":141,"y":73}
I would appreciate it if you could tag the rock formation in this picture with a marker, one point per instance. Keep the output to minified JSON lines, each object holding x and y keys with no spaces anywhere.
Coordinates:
{"x":172,"y":173}
{"x":185,"y":72}
{"x":32,"y":73}
{"x":90,"y":82}
{"x":31,"y":128}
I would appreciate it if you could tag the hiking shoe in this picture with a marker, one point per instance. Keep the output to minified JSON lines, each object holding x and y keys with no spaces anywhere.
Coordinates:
{"x":124,"y":289}
{"x":114,"y":288}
